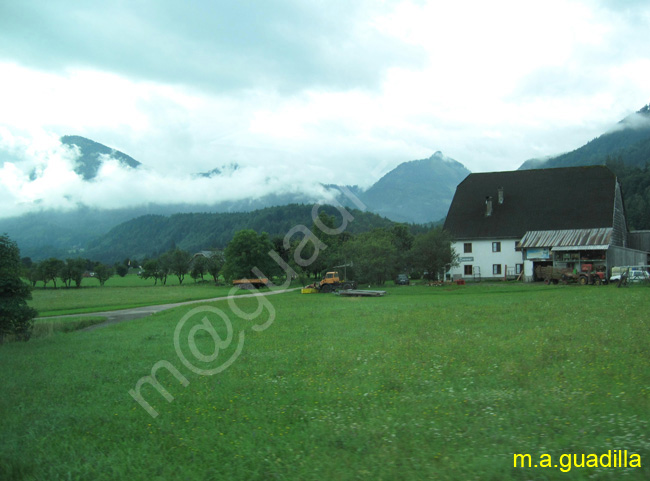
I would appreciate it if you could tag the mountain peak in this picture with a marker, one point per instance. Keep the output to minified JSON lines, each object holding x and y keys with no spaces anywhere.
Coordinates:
{"x":418,"y":190}
{"x":439,"y":156}
{"x":93,"y":155}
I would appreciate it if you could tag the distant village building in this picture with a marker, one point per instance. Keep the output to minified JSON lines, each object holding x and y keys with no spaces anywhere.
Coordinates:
{"x":505,"y":224}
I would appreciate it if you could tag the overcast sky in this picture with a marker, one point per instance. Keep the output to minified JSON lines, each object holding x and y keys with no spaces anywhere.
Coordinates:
{"x":299,"y":92}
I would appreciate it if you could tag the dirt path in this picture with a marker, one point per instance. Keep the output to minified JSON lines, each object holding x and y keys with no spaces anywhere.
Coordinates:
{"x":122,"y":315}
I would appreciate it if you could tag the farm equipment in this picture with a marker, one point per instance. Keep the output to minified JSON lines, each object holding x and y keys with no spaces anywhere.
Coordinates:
{"x":361,"y":293}
{"x":585,"y":276}
{"x":331,"y":282}
{"x":590,"y":275}
{"x":552,"y":275}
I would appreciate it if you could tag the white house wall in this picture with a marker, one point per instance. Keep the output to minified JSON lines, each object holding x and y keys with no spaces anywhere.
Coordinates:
{"x":484,"y":258}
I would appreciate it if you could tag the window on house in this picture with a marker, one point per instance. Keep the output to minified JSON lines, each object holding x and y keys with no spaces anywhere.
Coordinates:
{"x":467,"y":247}
{"x":496,"y":269}
{"x":468,"y":269}
{"x":519,"y":268}
{"x":496,"y":247}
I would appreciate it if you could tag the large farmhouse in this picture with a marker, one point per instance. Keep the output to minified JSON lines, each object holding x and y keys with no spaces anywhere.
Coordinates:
{"x":505,"y":224}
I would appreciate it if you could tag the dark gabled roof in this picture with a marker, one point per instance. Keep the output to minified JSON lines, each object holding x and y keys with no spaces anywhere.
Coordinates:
{"x":534,"y":200}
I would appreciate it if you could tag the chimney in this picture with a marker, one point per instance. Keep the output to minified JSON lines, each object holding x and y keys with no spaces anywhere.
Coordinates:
{"x":500,"y":194}
{"x":488,"y":206}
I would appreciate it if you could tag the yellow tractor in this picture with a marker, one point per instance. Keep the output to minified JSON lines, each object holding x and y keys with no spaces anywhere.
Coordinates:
{"x":329,"y":283}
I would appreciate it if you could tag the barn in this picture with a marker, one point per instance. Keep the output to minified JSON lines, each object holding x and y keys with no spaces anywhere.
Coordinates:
{"x":505,"y":224}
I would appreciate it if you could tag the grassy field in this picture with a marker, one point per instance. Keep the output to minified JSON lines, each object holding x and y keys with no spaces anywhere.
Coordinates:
{"x":425,"y":383}
{"x":119,"y":293}
{"x":48,"y":327}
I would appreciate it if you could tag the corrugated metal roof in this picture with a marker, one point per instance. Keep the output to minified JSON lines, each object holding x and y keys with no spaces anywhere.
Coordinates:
{"x":599,"y":237}
{"x":580,"y":248}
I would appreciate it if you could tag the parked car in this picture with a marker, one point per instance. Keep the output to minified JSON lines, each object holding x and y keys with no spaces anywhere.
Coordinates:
{"x":635,"y":274}
{"x":402,"y":280}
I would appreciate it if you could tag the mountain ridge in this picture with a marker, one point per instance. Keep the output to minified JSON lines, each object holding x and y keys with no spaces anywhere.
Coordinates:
{"x":416,"y":191}
{"x":628,"y":139}
{"x":54,"y":233}
{"x":151,"y":235}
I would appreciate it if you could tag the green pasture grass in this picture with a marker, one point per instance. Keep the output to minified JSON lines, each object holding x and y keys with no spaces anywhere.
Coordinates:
{"x":424,"y":383}
{"x":121,"y":293}
{"x":48,"y":327}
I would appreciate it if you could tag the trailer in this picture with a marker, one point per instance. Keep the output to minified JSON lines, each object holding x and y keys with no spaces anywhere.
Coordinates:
{"x":361,"y":293}
{"x":586,"y":276}
{"x":251,"y":283}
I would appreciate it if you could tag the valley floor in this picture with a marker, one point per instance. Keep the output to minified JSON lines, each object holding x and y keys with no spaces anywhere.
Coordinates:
{"x":424,"y":383}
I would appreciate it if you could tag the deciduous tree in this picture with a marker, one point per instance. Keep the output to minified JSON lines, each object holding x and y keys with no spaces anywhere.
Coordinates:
{"x":215,"y":262}
{"x":15,"y":315}
{"x":374,"y":255}
{"x":179,"y":263}
{"x":103,"y":273}
{"x":150,"y":270}
{"x":432,"y":253}
{"x":199,"y":267}
{"x":35,"y":273}
{"x":121,"y":269}
{"x":51,"y":270}
{"x":72,"y":271}
{"x":164,"y":267}
{"x":245,"y":251}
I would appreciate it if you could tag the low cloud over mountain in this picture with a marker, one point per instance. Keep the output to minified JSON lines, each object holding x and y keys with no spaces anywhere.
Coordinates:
{"x":63,"y":174}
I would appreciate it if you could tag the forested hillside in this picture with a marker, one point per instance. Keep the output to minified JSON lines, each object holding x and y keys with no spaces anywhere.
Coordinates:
{"x":635,"y":185}
{"x":151,"y":235}
{"x":629,"y":140}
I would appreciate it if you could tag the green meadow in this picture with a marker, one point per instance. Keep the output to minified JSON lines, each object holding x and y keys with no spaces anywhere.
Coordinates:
{"x":424,"y":383}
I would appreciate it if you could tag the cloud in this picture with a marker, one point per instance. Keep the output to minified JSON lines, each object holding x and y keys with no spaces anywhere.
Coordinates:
{"x":634,"y":121}
{"x":309,"y":92}
{"x":40,"y":175}
{"x":217,"y":46}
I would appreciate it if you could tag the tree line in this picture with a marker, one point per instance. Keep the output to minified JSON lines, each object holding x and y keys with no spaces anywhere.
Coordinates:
{"x":154,"y":235}
{"x":374,"y":257}
{"x":70,"y":271}
{"x":371,"y":257}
